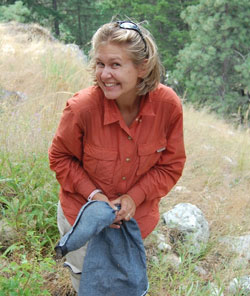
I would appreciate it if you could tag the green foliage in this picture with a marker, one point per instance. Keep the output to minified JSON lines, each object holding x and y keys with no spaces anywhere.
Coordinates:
{"x":24,"y":278}
{"x":15,"y":12}
{"x":78,"y":21}
{"x":214,"y":68}
{"x":28,"y":200}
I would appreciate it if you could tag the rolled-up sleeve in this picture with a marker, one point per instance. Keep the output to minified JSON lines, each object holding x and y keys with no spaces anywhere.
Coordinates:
{"x":66,"y":154}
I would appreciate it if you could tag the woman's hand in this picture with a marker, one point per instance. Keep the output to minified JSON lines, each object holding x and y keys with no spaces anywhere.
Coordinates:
{"x":127,"y":210}
{"x":102,"y":197}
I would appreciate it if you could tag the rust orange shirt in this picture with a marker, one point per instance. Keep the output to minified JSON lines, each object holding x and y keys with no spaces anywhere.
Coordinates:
{"x":94,"y":148}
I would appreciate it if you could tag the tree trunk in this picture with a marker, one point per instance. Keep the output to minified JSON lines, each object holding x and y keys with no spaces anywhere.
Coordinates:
{"x":56,"y":22}
{"x":79,"y":23}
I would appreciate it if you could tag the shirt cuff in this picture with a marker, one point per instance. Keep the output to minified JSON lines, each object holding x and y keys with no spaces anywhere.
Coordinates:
{"x":137,"y":194}
{"x":93,"y":193}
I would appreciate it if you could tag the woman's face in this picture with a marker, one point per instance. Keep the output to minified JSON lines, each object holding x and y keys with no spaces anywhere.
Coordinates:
{"x":116,"y":74}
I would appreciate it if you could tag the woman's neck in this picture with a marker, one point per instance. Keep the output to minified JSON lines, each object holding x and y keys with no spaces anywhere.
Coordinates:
{"x":129,"y":110}
{"x":129,"y":105}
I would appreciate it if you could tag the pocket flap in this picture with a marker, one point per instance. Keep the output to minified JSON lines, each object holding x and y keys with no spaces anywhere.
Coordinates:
{"x":150,"y":148}
{"x":99,"y":152}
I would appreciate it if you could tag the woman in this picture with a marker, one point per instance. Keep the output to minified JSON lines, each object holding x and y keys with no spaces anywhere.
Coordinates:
{"x":121,"y":140}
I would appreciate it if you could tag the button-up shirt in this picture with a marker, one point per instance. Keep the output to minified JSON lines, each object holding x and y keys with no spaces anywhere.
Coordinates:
{"x":94,"y":148}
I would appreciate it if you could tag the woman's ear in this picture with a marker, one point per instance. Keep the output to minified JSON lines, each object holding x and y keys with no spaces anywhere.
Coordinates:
{"x":142,"y":69}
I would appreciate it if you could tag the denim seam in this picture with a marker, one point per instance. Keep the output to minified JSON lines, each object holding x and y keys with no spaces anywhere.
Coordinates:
{"x":62,"y":243}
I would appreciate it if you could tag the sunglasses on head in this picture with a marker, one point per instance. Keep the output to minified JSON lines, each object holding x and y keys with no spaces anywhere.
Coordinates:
{"x":128,"y":25}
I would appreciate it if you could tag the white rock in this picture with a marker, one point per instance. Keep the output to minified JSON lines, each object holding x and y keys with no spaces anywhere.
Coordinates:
{"x":7,"y":233}
{"x":239,"y":263}
{"x":229,"y":160}
{"x":160,"y":237}
{"x":241,"y":284}
{"x":238,"y":244}
{"x":164,"y":247}
{"x":189,"y":221}
{"x":173,"y":260}
{"x":181,"y":189}
{"x":208,"y":147}
{"x":200,"y":270}
{"x":155,"y":259}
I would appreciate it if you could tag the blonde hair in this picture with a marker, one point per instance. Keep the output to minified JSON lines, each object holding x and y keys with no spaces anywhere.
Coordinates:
{"x":139,"y":52}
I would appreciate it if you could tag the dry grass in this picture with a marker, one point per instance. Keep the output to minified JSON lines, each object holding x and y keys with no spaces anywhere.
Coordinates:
{"x":59,"y":283}
{"x":47,"y":73}
{"x":216,"y":177}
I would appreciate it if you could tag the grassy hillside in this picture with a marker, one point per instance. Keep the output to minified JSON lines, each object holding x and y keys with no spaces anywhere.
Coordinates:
{"x":216,"y":177}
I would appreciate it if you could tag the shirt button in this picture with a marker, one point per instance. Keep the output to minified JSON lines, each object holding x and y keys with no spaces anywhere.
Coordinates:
{"x":137,"y":119}
{"x":123,"y":178}
{"x":127,"y":159}
{"x":140,"y":120}
{"x":129,"y":138}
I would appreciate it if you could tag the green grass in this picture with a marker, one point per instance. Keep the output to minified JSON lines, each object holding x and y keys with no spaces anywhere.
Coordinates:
{"x":28,"y":201}
{"x":28,"y":197}
{"x":24,"y":278}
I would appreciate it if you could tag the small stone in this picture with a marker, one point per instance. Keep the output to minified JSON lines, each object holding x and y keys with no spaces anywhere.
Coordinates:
{"x":160,"y":237}
{"x":181,"y":189}
{"x":238,"y":244}
{"x":155,"y":259}
{"x":241,"y":284}
{"x":239,"y":263}
{"x":173,"y":260}
{"x":164,"y":247}
{"x":7,"y":234}
{"x":200,"y":270}
{"x":229,"y":160}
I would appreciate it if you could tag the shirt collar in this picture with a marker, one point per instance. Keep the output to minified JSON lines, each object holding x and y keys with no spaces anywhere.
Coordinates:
{"x":146,"y":108}
{"x":112,"y":113}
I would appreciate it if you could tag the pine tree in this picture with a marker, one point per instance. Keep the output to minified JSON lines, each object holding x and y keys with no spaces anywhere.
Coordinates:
{"x":214,"y":68}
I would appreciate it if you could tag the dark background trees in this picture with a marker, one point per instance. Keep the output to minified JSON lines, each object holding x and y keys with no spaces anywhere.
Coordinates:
{"x":204,"y":44}
{"x":214,"y":68}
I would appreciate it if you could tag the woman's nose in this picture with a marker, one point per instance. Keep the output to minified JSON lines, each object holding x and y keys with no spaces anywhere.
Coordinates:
{"x":106,"y":73}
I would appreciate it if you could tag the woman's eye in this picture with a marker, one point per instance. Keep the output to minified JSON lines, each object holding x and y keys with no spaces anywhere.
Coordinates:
{"x":99,"y":64}
{"x":116,"y":65}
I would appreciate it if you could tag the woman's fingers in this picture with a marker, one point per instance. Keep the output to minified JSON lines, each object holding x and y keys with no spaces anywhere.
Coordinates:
{"x":116,"y":225}
{"x":103,"y":197}
{"x":128,"y":208}
{"x":126,"y":211}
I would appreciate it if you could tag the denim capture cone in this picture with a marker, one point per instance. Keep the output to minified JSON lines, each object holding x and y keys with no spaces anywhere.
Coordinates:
{"x":97,"y":216}
{"x":115,"y":261}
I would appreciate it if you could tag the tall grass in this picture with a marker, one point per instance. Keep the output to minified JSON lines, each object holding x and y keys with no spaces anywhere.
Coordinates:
{"x":48,"y":74}
{"x":216,"y":178}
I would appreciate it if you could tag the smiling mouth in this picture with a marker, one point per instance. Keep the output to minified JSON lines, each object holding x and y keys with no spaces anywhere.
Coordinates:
{"x":110,"y":84}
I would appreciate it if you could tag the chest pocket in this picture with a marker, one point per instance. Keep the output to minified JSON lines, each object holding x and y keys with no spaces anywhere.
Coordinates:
{"x":149,"y":154}
{"x":99,"y":163}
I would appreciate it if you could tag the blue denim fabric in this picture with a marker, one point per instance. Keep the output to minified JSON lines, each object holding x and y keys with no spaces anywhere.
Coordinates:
{"x":115,"y":261}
